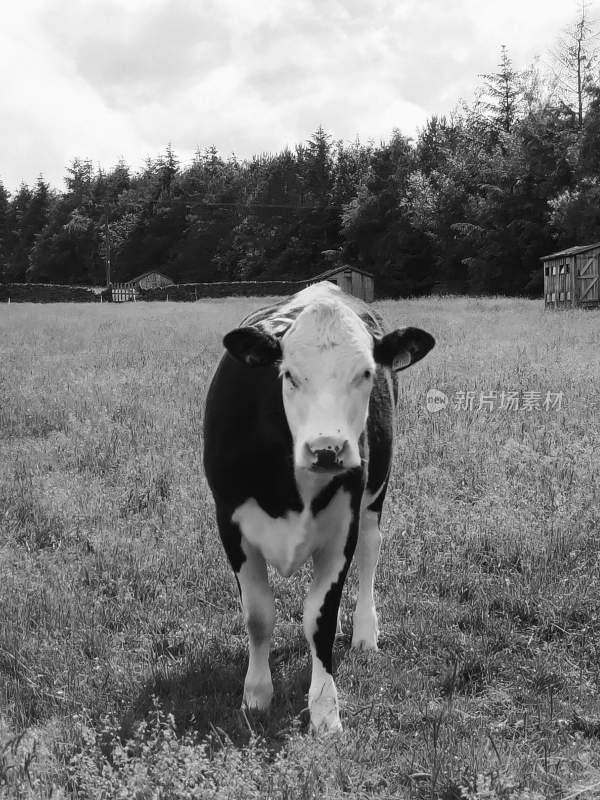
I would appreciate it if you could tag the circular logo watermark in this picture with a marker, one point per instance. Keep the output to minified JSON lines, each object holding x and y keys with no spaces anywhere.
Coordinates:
{"x":436,"y":400}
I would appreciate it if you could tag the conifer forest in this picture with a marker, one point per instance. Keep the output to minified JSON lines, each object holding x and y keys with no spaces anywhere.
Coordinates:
{"x":468,"y":205}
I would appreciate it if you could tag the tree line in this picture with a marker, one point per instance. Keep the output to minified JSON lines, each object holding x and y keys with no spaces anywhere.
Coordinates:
{"x":468,"y":206}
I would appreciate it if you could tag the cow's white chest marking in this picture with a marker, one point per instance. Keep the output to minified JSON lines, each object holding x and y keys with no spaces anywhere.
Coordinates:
{"x":287,"y":542}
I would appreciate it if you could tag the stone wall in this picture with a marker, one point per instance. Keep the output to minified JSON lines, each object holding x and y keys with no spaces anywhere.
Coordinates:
{"x":197,"y":291}
{"x":51,"y":293}
{"x":45,"y":293}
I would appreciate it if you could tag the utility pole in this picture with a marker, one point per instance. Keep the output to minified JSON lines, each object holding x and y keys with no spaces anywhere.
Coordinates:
{"x":107,"y":248}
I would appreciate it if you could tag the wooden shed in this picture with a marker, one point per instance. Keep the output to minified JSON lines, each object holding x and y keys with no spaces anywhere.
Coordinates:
{"x":571,"y":277}
{"x":352,"y":280}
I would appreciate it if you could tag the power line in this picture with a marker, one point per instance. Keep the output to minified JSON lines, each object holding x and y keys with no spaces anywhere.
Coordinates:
{"x":213,"y":204}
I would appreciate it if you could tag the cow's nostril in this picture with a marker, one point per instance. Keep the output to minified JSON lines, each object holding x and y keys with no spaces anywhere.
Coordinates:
{"x":326,"y":458}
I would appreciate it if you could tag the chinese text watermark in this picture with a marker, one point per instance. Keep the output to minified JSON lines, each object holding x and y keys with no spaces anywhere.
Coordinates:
{"x":510,"y":400}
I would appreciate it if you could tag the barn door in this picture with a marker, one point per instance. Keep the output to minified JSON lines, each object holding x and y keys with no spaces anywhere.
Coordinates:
{"x":557,"y":282}
{"x":587,"y":279}
{"x":346,"y":281}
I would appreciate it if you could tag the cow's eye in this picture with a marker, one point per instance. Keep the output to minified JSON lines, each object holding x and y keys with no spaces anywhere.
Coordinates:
{"x":288,"y":376}
{"x":361,"y":378}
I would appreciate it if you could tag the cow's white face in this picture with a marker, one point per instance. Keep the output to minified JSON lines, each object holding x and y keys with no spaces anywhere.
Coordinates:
{"x":326,"y":362}
{"x":327,"y":370}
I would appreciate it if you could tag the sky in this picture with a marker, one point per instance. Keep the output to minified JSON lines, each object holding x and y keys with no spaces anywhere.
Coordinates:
{"x":124,"y":78}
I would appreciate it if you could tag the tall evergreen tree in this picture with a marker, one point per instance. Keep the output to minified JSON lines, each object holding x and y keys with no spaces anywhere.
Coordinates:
{"x":503,"y":90}
{"x":575,"y":59}
{"x":4,"y":233}
{"x":317,"y":167}
{"x":79,"y":181}
{"x":19,"y":241}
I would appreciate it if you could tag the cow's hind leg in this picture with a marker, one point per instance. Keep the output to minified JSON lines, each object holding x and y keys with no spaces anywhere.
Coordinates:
{"x":259,"y":616}
{"x":365,"y":630}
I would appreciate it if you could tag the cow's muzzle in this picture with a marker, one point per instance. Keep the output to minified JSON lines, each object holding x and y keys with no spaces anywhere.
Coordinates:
{"x":326,"y":455}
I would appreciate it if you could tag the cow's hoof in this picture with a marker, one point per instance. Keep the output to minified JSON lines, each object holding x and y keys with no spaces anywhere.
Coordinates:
{"x":324,"y":713}
{"x":258,"y":698}
{"x":365,"y":633}
{"x":326,"y":725}
{"x":365,"y":644}
{"x":326,"y":729}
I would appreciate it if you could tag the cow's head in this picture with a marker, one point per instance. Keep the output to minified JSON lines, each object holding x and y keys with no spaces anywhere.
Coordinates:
{"x":327,"y":360}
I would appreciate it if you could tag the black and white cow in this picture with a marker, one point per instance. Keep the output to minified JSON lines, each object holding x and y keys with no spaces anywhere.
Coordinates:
{"x":297,"y":451}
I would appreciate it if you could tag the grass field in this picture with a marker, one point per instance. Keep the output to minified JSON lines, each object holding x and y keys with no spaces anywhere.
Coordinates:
{"x":122,"y":646}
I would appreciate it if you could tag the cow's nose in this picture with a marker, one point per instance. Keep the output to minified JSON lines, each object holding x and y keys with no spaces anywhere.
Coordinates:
{"x":325,"y":458}
{"x":326,"y":451}
{"x":335,"y":444}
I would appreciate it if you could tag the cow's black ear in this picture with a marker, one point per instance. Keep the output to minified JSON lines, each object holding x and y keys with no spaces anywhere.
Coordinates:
{"x":401,"y":348}
{"x":253,"y":347}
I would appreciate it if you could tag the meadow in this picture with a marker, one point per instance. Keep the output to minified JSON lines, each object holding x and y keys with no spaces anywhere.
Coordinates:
{"x":122,"y":645}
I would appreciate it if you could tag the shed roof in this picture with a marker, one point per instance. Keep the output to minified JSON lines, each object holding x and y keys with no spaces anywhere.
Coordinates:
{"x":571,"y":251}
{"x":341,"y":268}
{"x":150,"y":272}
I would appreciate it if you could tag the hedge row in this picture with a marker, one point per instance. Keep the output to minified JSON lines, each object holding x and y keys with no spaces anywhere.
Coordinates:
{"x":45,"y":293}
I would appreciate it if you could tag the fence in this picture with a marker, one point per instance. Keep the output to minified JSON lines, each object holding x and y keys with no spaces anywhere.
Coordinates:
{"x":122,"y":292}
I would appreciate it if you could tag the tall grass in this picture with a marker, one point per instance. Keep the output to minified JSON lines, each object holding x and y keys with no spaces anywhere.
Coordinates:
{"x":122,"y":646}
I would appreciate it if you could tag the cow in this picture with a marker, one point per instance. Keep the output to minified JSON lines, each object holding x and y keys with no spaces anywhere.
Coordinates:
{"x":298,"y":436}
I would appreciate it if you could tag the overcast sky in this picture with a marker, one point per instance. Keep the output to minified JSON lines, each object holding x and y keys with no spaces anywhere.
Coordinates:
{"x":122,"y":78}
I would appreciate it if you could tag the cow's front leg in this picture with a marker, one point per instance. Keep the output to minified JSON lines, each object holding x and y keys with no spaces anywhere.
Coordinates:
{"x":365,"y":630}
{"x":259,"y":616}
{"x":330,"y":567}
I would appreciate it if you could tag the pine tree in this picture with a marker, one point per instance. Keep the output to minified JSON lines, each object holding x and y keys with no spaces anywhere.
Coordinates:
{"x":39,"y":209}
{"x":575,"y":57}
{"x":318,"y":166}
{"x":167,"y":169}
{"x":4,"y":232}
{"x":18,"y":245}
{"x":504,"y":90}
{"x":79,"y":180}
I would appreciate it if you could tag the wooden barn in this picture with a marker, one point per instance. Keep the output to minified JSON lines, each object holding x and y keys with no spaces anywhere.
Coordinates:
{"x":124,"y":292}
{"x":352,"y":280}
{"x":152,"y":280}
{"x":571,"y":277}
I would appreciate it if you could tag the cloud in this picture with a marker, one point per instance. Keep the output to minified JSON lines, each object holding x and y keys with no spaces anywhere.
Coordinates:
{"x":125,"y":77}
{"x":49,"y":114}
{"x":138,"y":54}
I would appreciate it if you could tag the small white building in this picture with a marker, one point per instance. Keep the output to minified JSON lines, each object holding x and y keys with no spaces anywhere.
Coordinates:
{"x":352,"y":280}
